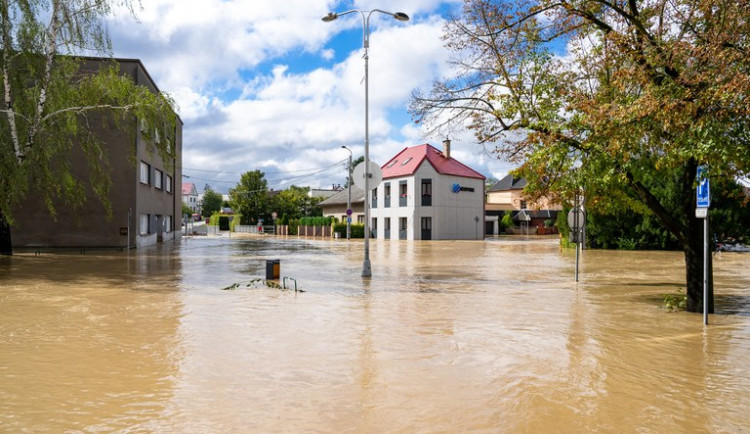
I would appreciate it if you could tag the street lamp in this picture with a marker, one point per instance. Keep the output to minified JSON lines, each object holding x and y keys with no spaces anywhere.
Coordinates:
{"x":349,"y":199}
{"x":400,"y":16}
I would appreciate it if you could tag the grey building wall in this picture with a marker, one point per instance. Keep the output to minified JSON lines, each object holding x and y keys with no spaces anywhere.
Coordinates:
{"x":90,"y":226}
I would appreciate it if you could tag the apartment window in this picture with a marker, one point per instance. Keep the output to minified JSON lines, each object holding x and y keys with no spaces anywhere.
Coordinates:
{"x":143,"y":226}
{"x":168,"y":223}
{"x":374,"y":197}
{"x":168,"y":184}
{"x":427,"y":192}
{"x":402,"y":228}
{"x":402,"y":193}
{"x":145,"y":173}
{"x":158,"y":179}
{"x":374,"y":227}
{"x":387,"y":228}
{"x":387,"y":198}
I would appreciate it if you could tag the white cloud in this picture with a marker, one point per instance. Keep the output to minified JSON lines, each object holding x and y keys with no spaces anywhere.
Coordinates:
{"x":251,"y":97}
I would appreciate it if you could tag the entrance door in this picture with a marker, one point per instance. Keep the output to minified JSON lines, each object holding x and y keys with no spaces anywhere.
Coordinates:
{"x":426,"y":228}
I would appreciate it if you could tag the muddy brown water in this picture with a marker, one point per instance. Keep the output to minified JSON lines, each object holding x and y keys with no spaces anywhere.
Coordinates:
{"x":491,"y":336}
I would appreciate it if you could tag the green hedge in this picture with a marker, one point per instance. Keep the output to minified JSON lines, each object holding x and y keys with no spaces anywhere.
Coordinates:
{"x":358,"y":230}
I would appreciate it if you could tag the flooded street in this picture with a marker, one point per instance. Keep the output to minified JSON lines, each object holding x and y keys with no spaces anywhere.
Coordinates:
{"x":484,"y":336}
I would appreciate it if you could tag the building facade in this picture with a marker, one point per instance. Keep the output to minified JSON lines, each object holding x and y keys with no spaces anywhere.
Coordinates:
{"x":427,"y":195}
{"x":145,"y":197}
{"x":336,"y":205}
{"x":506,"y":196}
{"x":190,"y":197}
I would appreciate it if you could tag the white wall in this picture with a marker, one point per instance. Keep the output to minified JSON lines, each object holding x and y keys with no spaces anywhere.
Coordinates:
{"x":453,"y":214}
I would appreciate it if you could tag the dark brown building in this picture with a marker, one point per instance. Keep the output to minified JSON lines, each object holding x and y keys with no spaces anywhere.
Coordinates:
{"x":145,"y":196}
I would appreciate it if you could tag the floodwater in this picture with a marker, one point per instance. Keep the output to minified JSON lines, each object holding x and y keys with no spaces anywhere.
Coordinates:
{"x":482,"y":336}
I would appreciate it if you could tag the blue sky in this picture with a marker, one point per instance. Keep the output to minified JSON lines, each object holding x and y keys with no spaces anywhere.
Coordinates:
{"x":267,"y":85}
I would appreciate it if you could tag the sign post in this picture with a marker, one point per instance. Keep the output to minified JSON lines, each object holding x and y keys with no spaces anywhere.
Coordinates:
{"x":703,"y":202}
{"x":576,"y":219}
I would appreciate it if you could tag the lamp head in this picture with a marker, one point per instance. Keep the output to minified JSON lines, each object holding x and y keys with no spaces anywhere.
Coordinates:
{"x":330,"y":17}
{"x":401,"y":16}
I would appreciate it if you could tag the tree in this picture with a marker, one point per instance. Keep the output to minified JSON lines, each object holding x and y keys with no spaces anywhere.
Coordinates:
{"x":211,"y":202}
{"x":50,"y":105}
{"x":295,"y":202}
{"x":355,"y":162}
{"x":250,"y":197}
{"x":646,"y":89}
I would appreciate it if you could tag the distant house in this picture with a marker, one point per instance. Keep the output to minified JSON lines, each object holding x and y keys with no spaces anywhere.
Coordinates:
{"x":427,"y":195}
{"x":190,"y":196}
{"x":506,"y":196}
{"x":146,"y":206}
{"x":325,"y":193}
{"x":335,"y":206}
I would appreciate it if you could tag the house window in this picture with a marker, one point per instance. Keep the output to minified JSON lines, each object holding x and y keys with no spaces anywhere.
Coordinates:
{"x":373,"y":227}
{"x":427,"y":192}
{"x":392,"y":163}
{"x":143,"y":226}
{"x":360,"y":219}
{"x":402,"y":193}
{"x":387,"y":198}
{"x":387,"y":228}
{"x":374,"y":197}
{"x":406,"y":161}
{"x":523,"y":204}
{"x":168,"y":223}
{"x":168,"y":184}
{"x":402,"y":228}
{"x":145,"y":173}
{"x":158,"y":179}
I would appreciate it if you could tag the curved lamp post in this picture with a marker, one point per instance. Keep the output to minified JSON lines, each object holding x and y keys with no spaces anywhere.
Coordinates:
{"x":400,"y":16}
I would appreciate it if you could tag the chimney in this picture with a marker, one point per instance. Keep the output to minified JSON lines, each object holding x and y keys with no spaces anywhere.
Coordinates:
{"x":447,"y":148}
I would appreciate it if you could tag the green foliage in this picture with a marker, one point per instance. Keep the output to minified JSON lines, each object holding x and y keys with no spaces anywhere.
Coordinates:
{"x":250,"y":198}
{"x":186,"y":210}
{"x":507,"y":220}
{"x":357,"y":230}
{"x":675,"y":302}
{"x":211,"y":203}
{"x":55,"y":101}
{"x":295,"y":202}
{"x":626,"y":243}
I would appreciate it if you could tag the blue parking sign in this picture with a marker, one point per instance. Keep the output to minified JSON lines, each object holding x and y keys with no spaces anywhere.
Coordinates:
{"x":703,"y":192}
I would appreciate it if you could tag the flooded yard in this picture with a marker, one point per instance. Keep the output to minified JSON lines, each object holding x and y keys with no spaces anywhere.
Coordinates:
{"x":483,"y":336}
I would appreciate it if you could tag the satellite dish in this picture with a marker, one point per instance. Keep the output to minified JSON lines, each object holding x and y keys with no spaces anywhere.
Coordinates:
{"x":376,"y":175}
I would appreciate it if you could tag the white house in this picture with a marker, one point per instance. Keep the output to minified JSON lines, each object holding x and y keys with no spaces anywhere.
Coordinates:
{"x":190,"y":196}
{"x":428,"y":195}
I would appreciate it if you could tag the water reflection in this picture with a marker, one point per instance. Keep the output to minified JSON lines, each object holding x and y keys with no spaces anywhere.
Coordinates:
{"x":447,"y":336}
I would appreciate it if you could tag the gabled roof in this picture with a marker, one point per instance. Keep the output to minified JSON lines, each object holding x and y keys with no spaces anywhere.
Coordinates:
{"x":188,"y":188}
{"x":509,"y":183}
{"x":406,"y":163}
{"x":341,"y":198}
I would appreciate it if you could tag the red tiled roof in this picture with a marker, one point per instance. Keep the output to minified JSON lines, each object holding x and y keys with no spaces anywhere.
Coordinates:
{"x":188,"y":188}
{"x":408,"y":161}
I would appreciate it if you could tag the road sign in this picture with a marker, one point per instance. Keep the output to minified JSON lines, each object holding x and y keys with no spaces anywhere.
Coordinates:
{"x":376,"y":175}
{"x":581,"y":218}
{"x":703,"y":192}
{"x":349,"y":212}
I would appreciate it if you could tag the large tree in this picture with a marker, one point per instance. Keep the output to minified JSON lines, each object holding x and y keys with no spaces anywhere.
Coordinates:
{"x":295,"y":202}
{"x":211,"y":202}
{"x":49,"y":105}
{"x":605,"y":97}
{"x":250,"y":198}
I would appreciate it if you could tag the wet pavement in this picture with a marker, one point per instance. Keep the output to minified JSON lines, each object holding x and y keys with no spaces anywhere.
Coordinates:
{"x":485,"y":336}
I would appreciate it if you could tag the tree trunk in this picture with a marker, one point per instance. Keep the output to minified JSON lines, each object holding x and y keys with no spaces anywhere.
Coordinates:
{"x":6,"y":247}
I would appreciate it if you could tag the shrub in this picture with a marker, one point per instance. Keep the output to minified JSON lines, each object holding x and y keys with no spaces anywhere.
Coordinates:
{"x":357,"y":230}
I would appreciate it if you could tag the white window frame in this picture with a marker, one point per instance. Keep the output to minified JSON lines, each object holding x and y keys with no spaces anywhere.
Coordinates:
{"x":143,"y":225}
{"x":145,"y":173}
{"x":158,"y":179}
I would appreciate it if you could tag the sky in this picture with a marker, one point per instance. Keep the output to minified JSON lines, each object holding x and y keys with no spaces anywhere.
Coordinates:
{"x":267,"y":85}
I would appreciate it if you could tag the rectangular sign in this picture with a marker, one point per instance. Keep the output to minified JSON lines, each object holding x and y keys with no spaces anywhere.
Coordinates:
{"x":703,"y":192}
{"x":701,"y":213}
